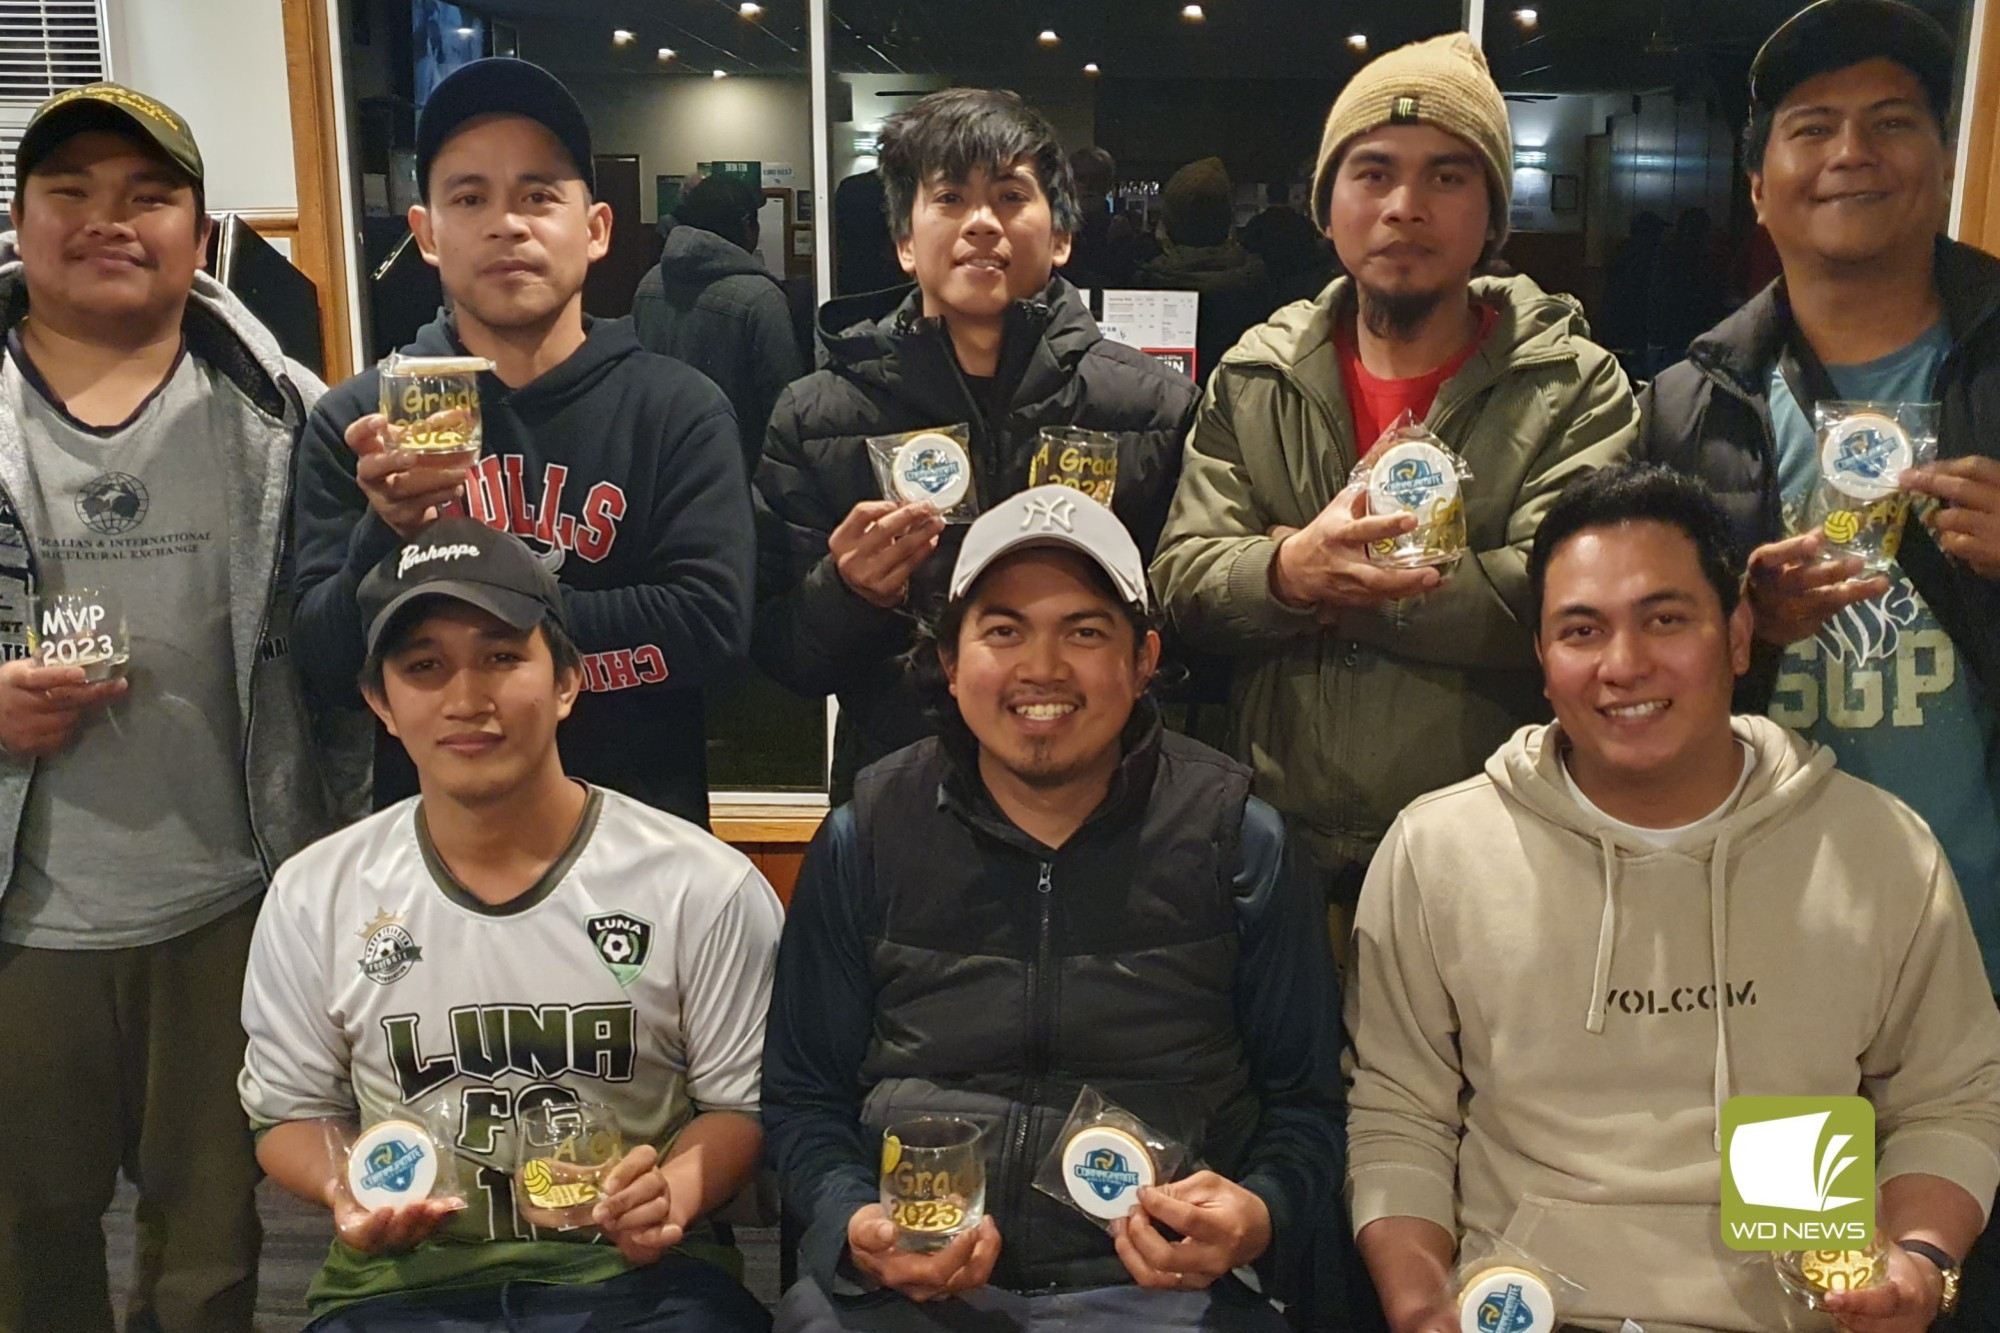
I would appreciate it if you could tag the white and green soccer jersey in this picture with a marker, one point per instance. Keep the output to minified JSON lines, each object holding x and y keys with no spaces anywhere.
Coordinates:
{"x":636,"y":974}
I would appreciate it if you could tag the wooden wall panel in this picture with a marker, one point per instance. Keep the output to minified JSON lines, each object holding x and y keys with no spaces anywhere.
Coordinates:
{"x":319,"y":245}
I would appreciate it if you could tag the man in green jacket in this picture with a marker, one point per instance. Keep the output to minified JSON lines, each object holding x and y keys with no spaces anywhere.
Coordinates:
{"x":1358,"y":687}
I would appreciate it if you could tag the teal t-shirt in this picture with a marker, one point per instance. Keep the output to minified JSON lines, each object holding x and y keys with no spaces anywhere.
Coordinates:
{"x":1882,"y":685}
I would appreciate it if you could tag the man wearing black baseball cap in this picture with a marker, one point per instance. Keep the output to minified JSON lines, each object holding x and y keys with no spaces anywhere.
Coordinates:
{"x":1848,"y":150}
{"x":640,"y":945}
{"x":148,"y":426}
{"x":620,"y":468}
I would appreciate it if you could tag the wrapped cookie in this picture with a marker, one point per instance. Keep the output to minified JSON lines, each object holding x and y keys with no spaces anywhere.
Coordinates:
{"x":933,"y":465}
{"x":1411,"y":471}
{"x":1104,"y":1156}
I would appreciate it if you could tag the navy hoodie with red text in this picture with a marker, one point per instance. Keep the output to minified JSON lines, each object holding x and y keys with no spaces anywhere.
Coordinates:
{"x":621,"y":470}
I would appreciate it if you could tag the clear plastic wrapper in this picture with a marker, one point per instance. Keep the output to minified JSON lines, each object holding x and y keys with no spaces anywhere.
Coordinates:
{"x":1498,"y":1287}
{"x":1409,"y":470}
{"x":403,"y":1158}
{"x":933,"y":465}
{"x":1858,"y":504}
{"x":1104,"y":1156}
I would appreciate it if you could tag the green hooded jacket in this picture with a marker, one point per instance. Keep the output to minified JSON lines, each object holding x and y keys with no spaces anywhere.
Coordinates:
{"x":1346,"y":723}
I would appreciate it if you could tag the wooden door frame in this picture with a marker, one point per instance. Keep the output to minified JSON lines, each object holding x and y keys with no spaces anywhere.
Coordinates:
{"x":320,"y":245}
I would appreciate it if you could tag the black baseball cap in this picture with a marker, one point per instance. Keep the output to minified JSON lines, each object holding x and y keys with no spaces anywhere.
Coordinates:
{"x":1833,"y":34}
{"x":111,"y":107}
{"x":463,"y":559}
{"x":502,"y":85}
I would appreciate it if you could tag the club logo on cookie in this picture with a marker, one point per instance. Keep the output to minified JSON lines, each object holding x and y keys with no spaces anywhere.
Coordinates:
{"x":932,"y":467}
{"x":394,"y":1163}
{"x":1104,"y":1169}
{"x":1411,"y":477}
{"x":1506,"y":1300}
{"x":1865,"y":454}
{"x":387,"y":952}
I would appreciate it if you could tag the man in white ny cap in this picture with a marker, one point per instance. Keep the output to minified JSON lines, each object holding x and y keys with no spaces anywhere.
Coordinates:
{"x":1053,"y":892}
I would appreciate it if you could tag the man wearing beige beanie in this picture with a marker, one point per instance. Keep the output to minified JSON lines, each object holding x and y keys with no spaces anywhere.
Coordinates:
{"x":1358,"y":687}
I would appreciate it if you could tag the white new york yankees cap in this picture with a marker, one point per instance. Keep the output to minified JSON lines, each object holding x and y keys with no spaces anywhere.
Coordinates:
{"x":1053,"y":516}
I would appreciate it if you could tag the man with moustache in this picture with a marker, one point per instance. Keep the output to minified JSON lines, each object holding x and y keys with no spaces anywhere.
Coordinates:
{"x":619,"y":467}
{"x":1050,"y":893}
{"x":1358,"y":687}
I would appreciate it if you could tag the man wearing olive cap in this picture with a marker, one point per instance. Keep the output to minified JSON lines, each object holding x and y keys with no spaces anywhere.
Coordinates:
{"x":147,"y":428}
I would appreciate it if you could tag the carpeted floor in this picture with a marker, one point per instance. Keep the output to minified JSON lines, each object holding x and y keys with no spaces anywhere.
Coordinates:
{"x":295,"y":1240}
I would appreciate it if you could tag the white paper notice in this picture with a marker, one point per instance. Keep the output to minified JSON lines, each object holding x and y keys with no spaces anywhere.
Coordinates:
{"x":1151,"y":319}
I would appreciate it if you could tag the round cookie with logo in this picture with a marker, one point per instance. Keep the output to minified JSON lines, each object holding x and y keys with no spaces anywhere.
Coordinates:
{"x":1864,"y":455}
{"x":1104,"y":1169}
{"x":933,"y":467}
{"x":1412,"y":477}
{"x":1506,"y":1300}
{"x":391,"y":1164}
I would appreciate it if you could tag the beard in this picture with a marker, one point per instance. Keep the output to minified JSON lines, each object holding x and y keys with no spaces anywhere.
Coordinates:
{"x":1396,"y":316}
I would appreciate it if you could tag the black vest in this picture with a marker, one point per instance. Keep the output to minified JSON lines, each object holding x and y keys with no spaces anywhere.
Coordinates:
{"x":1008,"y":976}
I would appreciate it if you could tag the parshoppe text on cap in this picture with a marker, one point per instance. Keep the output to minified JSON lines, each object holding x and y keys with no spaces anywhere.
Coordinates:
{"x":110,"y":107}
{"x":502,"y":85}
{"x":1053,"y":516}
{"x":465,"y":560}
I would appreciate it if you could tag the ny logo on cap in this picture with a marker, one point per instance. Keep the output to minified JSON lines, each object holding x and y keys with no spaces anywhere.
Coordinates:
{"x":1404,"y":112}
{"x":1049,"y":514}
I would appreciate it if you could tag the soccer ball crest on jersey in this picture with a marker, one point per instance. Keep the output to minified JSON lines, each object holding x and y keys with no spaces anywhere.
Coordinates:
{"x":623,"y":941}
{"x":387,"y":951}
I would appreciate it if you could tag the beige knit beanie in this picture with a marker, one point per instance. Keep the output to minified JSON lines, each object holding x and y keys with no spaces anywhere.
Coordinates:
{"x":1442,"y":82}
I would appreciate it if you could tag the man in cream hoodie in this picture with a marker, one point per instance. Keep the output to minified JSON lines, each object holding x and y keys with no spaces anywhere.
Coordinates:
{"x":1565,"y":966}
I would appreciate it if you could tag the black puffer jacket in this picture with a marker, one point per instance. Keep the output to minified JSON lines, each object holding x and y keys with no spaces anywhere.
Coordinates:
{"x":895,"y":371}
{"x":713,"y":305}
{"x":1710,"y":415}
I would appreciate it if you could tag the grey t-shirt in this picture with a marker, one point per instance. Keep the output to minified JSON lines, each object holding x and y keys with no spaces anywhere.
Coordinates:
{"x":140,"y":830}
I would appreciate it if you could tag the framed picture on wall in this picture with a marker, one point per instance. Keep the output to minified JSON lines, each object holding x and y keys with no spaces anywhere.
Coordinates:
{"x":1565,"y":195}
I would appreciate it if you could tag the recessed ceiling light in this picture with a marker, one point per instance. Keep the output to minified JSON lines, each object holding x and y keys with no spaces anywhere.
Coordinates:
{"x":1527,"y":18}
{"x":1090,"y":68}
{"x":1358,"y":41}
{"x":1048,"y":37}
{"x":1192,"y":13}
{"x":749,"y":9}
{"x":623,"y":36}
{"x":467,"y":32}
{"x":666,"y":53}
{"x":720,"y":74}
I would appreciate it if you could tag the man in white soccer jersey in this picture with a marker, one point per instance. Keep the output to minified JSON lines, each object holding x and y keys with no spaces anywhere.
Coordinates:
{"x":508,"y":939}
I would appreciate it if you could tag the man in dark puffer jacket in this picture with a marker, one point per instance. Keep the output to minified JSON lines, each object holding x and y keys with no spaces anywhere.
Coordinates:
{"x":982,"y":206}
{"x":1054,"y":893}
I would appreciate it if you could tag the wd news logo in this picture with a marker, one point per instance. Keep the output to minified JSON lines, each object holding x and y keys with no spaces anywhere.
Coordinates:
{"x":1798,"y":1173}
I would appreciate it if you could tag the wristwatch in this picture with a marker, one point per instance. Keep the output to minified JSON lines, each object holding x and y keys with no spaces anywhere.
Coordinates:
{"x":1947,"y":1268}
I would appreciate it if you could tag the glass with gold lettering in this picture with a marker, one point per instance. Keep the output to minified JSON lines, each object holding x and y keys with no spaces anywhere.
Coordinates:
{"x":1083,"y":460}
{"x":81,"y":627}
{"x":1810,"y":1276}
{"x":933,"y":1180}
{"x":566,"y":1149}
{"x":432,"y":404}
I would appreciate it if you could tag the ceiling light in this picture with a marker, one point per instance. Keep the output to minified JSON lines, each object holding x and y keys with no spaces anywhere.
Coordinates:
{"x":666,"y":53}
{"x":1048,"y":37}
{"x":1192,"y":13}
{"x":1357,"y":41}
{"x":720,"y":74}
{"x":1527,"y":18}
{"x":749,"y":9}
{"x":623,"y":36}
{"x":1090,"y":68}
{"x":467,"y":32}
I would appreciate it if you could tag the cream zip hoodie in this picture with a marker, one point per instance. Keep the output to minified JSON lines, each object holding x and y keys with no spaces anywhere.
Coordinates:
{"x":1546,"y":1019}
